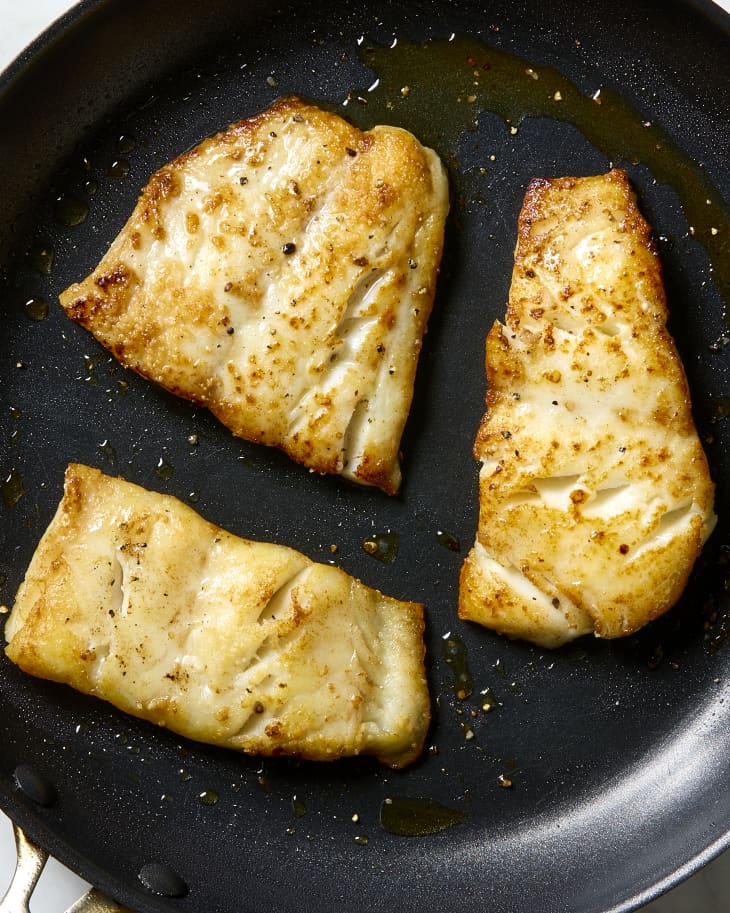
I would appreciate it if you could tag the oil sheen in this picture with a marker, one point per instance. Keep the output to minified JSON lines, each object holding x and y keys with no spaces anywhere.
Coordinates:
{"x":417,"y":817}
{"x":438,"y":89}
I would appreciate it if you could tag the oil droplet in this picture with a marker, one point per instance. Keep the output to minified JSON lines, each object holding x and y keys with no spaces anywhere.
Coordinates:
{"x":448,"y":540}
{"x":122,"y":387}
{"x":126,"y":143}
{"x":417,"y":817}
{"x":164,"y":470}
{"x":108,"y":451}
{"x":119,"y":168}
{"x":36,"y":308}
{"x":13,"y":488}
{"x":15,"y":412}
{"x":71,"y":211}
{"x":185,"y":775}
{"x":362,"y":840}
{"x":166,"y":798}
{"x":382,"y":546}
{"x":194,"y":497}
{"x":489,"y":700}
{"x":720,"y":407}
{"x":91,"y":377}
{"x":41,"y":257}
{"x":91,"y":187}
{"x":454,"y":651}
{"x":209,"y":797}
{"x":298,"y":807}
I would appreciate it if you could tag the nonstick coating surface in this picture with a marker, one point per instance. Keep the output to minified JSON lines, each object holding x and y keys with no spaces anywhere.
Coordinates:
{"x":618,"y":753}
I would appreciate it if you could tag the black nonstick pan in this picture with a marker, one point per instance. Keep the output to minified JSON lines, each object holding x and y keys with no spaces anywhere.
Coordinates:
{"x":582,"y":780}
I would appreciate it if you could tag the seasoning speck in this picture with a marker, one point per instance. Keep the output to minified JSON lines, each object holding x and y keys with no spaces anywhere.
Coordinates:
{"x":383,"y":546}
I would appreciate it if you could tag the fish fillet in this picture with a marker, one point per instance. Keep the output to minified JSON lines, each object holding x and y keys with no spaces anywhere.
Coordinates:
{"x":594,"y":491}
{"x":282,"y":274}
{"x":134,"y":598}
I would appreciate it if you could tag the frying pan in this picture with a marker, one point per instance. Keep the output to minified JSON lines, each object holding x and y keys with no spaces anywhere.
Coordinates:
{"x":618,"y":754}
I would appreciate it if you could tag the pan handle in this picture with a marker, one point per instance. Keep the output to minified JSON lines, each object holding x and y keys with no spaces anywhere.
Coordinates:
{"x":31,"y":860}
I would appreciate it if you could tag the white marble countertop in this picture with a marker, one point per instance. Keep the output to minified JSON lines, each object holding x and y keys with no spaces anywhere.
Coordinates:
{"x":706,"y":892}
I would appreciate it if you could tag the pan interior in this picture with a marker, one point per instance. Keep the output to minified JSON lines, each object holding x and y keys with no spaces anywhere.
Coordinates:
{"x":616,"y":752}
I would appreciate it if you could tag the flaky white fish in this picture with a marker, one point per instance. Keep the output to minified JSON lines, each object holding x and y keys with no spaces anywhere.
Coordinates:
{"x":133,"y":597}
{"x":282,"y":274}
{"x":595,"y":494}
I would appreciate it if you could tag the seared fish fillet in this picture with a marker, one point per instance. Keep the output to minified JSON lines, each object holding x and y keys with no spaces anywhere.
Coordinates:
{"x":282,"y":274}
{"x":595,"y":495}
{"x":132,"y":597}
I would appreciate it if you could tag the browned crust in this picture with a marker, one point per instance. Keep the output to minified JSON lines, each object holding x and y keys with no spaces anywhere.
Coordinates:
{"x":561,"y":318}
{"x":101,"y":300}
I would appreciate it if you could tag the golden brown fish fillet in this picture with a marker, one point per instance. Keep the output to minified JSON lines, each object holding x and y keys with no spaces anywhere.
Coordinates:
{"x":132,"y":597}
{"x":282,"y":274}
{"x":595,"y":495}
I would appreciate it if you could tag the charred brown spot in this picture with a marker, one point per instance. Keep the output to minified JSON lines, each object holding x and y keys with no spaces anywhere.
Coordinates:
{"x":118,"y":276}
